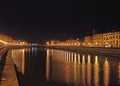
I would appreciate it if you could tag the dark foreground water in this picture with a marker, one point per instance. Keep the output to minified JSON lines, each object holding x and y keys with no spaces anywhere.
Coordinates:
{"x":49,"y":67}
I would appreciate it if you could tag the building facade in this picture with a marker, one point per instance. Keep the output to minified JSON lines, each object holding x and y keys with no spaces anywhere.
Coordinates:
{"x":111,"y":39}
{"x":70,"y":42}
{"x":88,"y":40}
{"x":98,"y":40}
{"x":6,"y":40}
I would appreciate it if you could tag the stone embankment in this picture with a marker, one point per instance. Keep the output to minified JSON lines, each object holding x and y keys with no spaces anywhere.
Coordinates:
{"x":92,"y":50}
{"x":8,"y":75}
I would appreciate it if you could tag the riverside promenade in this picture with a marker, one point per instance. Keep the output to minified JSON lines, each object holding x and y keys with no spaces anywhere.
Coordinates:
{"x":8,"y":75}
{"x":8,"y":72}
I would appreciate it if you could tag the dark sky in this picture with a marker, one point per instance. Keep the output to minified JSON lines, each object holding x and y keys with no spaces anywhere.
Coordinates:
{"x":41,"y":20}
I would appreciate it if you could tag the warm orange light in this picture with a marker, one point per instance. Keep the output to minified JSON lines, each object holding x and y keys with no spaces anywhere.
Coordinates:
{"x":47,"y":43}
{"x":106,"y":72}
{"x":89,"y":59}
{"x":3,"y":42}
{"x":96,"y":71}
{"x":96,"y":43}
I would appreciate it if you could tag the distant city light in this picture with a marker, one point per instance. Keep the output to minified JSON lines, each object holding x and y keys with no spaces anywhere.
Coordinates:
{"x":34,"y":44}
{"x":47,"y":43}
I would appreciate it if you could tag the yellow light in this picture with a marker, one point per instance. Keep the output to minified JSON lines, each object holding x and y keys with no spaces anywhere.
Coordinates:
{"x":106,"y":43}
{"x":96,"y":59}
{"x":3,"y":42}
{"x":47,"y":43}
{"x":106,"y":72}
{"x":96,"y":71}
{"x":89,"y":59}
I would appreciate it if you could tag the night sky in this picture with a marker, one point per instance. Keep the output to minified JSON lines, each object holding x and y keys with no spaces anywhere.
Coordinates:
{"x":41,"y":20}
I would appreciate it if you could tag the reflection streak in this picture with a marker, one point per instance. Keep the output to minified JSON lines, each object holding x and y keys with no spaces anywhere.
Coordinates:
{"x":89,"y":66}
{"x":76,"y":69}
{"x":106,"y":73}
{"x":47,"y":64}
{"x":96,"y":71}
{"x":83,"y":71}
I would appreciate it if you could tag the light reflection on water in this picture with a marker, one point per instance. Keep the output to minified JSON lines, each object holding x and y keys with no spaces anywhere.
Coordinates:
{"x":119,"y":72}
{"x":18,"y":57}
{"x":89,"y":71}
{"x":106,"y":73}
{"x":96,"y":71}
{"x":71,"y":68}
{"x":77,"y":69}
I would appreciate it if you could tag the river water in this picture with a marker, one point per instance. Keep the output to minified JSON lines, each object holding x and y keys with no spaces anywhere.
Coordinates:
{"x":50,"y":67}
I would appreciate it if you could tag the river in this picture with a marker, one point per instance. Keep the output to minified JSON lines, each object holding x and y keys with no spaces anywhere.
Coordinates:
{"x":52,"y":67}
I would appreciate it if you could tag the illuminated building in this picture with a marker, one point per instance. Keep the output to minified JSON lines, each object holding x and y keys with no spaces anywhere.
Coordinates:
{"x":73,"y":42}
{"x":111,"y":39}
{"x":6,"y":40}
{"x":70,"y":42}
{"x":88,"y":41}
{"x":54,"y":42}
{"x":98,"y":40}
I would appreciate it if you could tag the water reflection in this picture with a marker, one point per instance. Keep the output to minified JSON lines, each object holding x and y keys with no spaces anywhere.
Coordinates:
{"x":23,"y":61}
{"x":78,"y":58}
{"x":69,"y":68}
{"x":89,"y":71}
{"x":119,"y":73}
{"x":96,"y":71}
{"x":77,"y":69}
{"x":83,"y":71}
{"x":34,"y":51}
{"x":18,"y":57}
{"x":48,"y":64}
{"x":106,"y":72}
